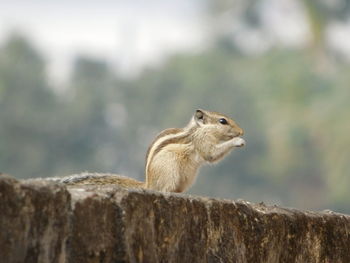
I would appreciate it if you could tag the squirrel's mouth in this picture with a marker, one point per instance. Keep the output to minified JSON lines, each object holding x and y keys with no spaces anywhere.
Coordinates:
{"x":227,"y":137}
{"x":231,"y":136}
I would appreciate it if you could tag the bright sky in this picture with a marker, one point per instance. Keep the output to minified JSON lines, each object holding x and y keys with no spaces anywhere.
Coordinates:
{"x":130,"y":34}
{"x":127,"y":33}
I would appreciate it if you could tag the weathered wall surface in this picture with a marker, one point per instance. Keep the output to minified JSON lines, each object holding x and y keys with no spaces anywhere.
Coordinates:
{"x":44,"y":222}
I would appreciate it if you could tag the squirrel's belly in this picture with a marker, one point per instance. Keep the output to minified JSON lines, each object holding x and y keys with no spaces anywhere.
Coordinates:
{"x":188,"y":173}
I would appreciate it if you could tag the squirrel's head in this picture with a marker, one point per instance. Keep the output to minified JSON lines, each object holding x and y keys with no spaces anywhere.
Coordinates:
{"x":218,"y":125}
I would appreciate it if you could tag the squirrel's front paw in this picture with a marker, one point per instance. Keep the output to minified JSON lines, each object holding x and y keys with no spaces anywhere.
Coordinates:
{"x":238,"y":142}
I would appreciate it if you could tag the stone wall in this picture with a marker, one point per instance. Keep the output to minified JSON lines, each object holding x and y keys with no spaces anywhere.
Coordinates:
{"x":44,"y":222}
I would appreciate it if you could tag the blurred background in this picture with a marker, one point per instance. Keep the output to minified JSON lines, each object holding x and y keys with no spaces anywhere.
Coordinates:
{"x":86,"y":85}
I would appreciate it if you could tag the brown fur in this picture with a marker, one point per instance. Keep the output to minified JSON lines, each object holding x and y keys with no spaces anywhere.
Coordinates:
{"x":172,"y":161}
{"x":174,"y":156}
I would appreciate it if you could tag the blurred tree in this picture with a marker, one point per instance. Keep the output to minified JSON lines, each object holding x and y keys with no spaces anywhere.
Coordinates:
{"x":25,"y":106}
{"x":301,"y":99}
{"x":295,"y":115}
{"x":90,"y":140}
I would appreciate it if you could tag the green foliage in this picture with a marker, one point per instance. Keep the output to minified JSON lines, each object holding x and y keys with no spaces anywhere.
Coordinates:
{"x":294,"y":113}
{"x":25,"y":101}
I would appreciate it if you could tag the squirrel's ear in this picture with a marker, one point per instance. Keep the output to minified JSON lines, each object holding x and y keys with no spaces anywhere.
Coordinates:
{"x":199,"y":116}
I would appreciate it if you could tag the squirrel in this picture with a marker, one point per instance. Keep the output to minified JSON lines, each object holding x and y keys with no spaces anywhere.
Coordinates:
{"x":175,"y":155}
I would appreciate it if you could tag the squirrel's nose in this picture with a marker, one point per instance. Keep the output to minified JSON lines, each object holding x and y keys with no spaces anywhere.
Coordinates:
{"x":240,"y":132}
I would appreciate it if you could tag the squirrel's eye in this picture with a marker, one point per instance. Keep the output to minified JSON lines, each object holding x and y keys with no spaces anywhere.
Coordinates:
{"x":223,"y":121}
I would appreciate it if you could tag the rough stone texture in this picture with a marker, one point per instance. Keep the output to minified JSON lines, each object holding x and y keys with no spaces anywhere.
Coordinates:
{"x":34,"y":221}
{"x":42,"y":222}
